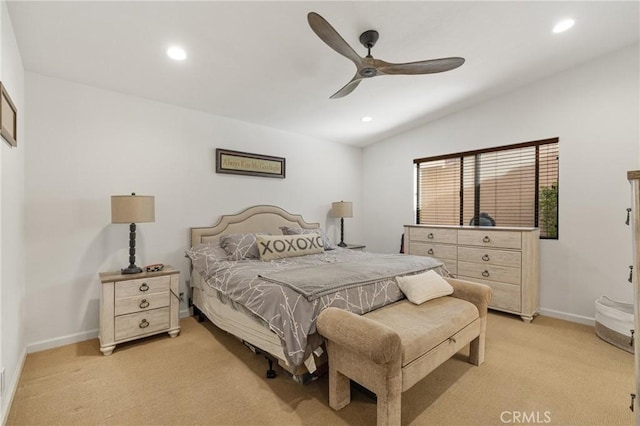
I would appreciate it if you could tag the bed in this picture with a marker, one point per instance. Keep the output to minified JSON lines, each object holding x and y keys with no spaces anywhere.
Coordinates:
{"x":271,"y":312}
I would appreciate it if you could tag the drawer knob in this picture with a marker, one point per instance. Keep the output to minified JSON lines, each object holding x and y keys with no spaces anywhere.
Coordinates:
{"x":144,"y":304}
{"x":485,"y":257}
{"x":430,"y":236}
{"x":144,"y":323}
{"x":144,"y":287}
{"x":485,"y":273}
{"x":430,"y":251}
{"x":486,"y":239}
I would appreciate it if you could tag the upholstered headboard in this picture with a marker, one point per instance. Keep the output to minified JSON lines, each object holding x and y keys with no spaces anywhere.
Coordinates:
{"x":261,"y":218}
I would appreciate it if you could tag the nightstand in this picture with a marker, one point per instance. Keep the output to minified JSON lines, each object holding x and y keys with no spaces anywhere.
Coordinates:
{"x":355,"y":247}
{"x":138,"y":305}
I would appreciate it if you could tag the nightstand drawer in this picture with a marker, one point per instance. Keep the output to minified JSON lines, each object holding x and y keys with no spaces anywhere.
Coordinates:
{"x":434,"y":235}
{"x":142,"y":286}
{"x":490,"y":257}
{"x":132,"y":325}
{"x":144,"y":302}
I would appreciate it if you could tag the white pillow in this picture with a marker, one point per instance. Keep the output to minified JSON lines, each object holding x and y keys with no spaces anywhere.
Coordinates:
{"x":425,"y":286}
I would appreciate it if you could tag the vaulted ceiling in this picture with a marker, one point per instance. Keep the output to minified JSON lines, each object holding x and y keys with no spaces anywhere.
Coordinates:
{"x":259,"y":62}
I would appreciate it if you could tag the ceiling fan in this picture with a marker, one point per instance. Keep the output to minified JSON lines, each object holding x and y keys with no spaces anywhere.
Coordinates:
{"x":368,"y":66}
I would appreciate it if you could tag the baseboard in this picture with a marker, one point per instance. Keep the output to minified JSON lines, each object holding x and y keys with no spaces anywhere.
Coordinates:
{"x":568,"y":317}
{"x":61,"y":341}
{"x":13,"y":386}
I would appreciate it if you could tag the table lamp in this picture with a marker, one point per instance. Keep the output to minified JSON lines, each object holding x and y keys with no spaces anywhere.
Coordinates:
{"x":342,"y":209}
{"x":132,"y":209}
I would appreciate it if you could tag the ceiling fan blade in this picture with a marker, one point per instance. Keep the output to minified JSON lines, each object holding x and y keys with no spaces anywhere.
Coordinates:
{"x":331,"y":37}
{"x":430,"y":66}
{"x":348,"y":88}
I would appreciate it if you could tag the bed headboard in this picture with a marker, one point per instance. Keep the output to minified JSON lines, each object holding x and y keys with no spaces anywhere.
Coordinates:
{"x":261,"y":218}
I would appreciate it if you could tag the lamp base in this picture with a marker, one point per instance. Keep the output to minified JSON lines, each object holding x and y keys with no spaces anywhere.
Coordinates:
{"x":131,"y":269}
{"x":342,"y":244}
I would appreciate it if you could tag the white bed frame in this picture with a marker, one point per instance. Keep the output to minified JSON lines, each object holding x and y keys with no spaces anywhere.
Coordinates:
{"x":260,"y":218}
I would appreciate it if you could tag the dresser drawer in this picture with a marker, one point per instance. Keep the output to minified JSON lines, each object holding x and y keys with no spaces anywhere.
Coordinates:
{"x":489,"y":272}
{"x":139,"y":323}
{"x":434,"y":235}
{"x":145,"y":302}
{"x":490,"y":256}
{"x":487,"y":238}
{"x":142,"y":286}
{"x":451,"y":265}
{"x":504,"y":296}
{"x":439,"y":251}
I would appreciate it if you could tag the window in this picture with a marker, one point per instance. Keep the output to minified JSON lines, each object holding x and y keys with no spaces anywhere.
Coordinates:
{"x":514,"y":185}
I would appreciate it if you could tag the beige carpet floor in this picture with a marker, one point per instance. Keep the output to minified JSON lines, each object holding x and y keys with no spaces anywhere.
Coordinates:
{"x":547,"y":372}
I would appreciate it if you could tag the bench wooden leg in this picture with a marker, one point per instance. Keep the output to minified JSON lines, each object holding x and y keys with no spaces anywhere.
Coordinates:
{"x":339,"y":389}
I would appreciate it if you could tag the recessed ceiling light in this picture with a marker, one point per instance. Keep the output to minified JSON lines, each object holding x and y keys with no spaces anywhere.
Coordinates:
{"x":563,"y":25}
{"x":176,"y":53}
{"x":366,"y":119}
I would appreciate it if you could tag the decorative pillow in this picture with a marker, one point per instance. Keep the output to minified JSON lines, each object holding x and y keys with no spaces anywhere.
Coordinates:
{"x":424,"y":286}
{"x":326,"y":242}
{"x":280,"y":246}
{"x":240,"y":246}
{"x":212,"y":250}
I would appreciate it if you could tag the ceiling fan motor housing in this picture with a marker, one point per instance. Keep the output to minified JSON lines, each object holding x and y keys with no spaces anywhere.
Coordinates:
{"x":369,"y":38}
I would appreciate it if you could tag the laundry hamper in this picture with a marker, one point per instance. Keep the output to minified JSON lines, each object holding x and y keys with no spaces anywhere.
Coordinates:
{"x":614,"y":322}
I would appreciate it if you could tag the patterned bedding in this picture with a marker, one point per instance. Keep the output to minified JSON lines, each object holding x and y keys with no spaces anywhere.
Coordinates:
{"x":289,"y":314}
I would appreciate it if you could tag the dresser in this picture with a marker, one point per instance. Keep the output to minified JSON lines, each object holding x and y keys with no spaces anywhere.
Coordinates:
{"x":634,"y":179}
{"x":505,"y":259}
{"x":138,"y":305}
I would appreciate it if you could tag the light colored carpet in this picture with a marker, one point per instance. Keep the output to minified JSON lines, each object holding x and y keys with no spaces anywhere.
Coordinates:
{"x":546,"y":372}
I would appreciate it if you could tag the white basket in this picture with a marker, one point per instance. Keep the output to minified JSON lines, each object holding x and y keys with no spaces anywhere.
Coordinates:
{"x":614,"y":322}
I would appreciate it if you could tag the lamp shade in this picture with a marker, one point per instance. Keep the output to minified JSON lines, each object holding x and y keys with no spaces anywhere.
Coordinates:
{"x":133,"y":208}
{"x":342,"y":209}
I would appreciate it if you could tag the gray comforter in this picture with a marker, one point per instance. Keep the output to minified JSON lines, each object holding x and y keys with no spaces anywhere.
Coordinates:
{"x":287,"y":312}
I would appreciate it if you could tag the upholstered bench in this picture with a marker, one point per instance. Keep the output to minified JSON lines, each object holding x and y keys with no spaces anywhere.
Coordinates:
{"x":390,"y":349}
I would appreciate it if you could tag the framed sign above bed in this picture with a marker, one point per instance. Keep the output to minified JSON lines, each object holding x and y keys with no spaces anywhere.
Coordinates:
{"x":245,"y":163}
{"x":8,"y":117}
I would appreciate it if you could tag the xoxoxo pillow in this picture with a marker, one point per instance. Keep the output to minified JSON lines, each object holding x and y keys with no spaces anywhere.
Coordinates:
{"x":280,"y":246}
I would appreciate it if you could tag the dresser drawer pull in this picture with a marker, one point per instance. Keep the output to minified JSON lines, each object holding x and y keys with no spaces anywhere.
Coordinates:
{"x":631,"y":341}
{"x":630,"y":273}
{"x":144,"y":323}
{"x":485,"y":273}
{"x":144,"y":304}
{"x":485,"y":257}
{"x":430,"y":236}
{"x":486,"y":239}
{"x":144,"y":287}
{"x":430,"y":251}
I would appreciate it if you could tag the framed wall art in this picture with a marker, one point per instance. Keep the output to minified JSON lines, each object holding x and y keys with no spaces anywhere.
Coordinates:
{"x":8,"y":118}
{"x":245,"y":163}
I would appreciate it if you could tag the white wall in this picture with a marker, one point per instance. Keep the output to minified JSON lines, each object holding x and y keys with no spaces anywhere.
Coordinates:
{"x":12,"y":223}
{"x":594,"y":110}
{"x":86,"y":144}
